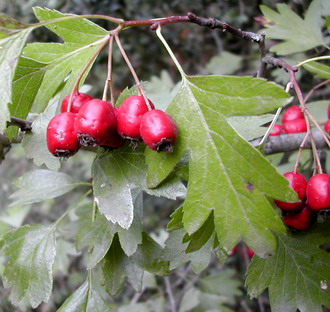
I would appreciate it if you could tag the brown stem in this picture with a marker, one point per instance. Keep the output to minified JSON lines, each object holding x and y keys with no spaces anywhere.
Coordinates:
{"x":23,"y":124}
{"x":310,"y":93}
{"x":300,"y":151}
{"x":289,"y":142}
{"x":131,"y":68}
{"x":87,"y":65}
{"x":108,"y":81}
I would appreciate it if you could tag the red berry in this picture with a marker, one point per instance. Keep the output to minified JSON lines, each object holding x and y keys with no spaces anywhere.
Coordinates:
{"x":129,"y":117}
{"x":62,"y":139}
{"x":250,"y":253}
{"x":295,"y":126}
{"x":318,"y":192}
{"x":298,"y":183}
{"x":301,"y":220}
{"x":95,"y":121}
{"x":78,"y":100}
{"x":292,"y":113}
{"x":277,"y":130}
{"x":158,"y":130}
{"x":327,"y":126}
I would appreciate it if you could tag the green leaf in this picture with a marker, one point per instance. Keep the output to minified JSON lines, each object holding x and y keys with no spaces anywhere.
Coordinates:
{"x":297,"y":34}
{"x":198,"y":239}
{"x":86,"y":299}
{"x":319,"y":69}
{"x":29,"y":271}
{"x":115,"y":174}
{"x":237,"y":96}
{"x":34,"y":142}
{"x":10,"y":50}
{"x":174,"y":252}
{"x":97,"y":235}
{"x":250,"y":127}
{"x":117,"y":267}
{"x":39,"y":185}
{"x":176,"y":220}
{"x":190,"y":300}
{"x":226,"y":174}
{"x":297,"y":276}
{"x":222,"y":283}
{"x":10,"y":26}
{"x":45,"y":66}
{"x":224,"y":64}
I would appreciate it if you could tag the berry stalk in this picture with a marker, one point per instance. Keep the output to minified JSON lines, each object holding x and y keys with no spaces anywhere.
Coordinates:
{"x":131,"y":68}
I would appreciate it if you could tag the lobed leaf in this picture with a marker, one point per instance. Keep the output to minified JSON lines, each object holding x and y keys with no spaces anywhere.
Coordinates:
{"x":97,"y":235}
{"x":297,"y":276}
{"x":29,"y":271}
{"x":116,"y":173}
{"x":39,"y":185}
{"x":226,"y":174}
{"x":44,"y":67}
{"x":298,"y":34}
{"x":117,"y":267}
{"x":86,"y":299}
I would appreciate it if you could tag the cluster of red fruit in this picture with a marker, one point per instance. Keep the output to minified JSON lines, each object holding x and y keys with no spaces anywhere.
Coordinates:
{"x":94,"y":122}
{"x":314,"y":195}
{"x":293,"y":121}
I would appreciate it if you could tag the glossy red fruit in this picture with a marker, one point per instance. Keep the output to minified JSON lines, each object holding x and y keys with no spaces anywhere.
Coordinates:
{"x":295,"y":126}
{"x":292,"y":113}
{"x":297,"y":182}
{"x":95,"y":121}
{"x":301,"y":220}
{"x":277,"y":130}
{"x":129,"y":117}
{"x":158,"y":130}
{"x":327,"y":126}
{"x":78,"y":100}
{"x":318,"y":191}
{"x":62,"y":140}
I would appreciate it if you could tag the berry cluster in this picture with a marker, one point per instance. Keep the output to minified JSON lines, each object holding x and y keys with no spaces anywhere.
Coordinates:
{"x":314,"y":196}
{"x":293,"y":122}
{"x":94,"y":122}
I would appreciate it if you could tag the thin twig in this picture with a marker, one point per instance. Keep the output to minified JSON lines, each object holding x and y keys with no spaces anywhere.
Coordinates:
{"x":108,"y":81}
{"x":309,"y":94}
{"x":131,"y":68}
{"x":170,"y":294}
{"x":23,"y":124}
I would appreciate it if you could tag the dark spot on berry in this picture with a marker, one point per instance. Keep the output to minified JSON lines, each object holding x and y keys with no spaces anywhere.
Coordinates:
{"x":63,"y":154}
{"x":87,"y":140}
{"x":250,"y":186}
{"x":164,"y":145}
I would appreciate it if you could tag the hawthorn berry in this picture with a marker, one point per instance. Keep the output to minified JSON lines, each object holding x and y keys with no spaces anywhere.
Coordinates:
{"x":301,"y":220}
{"x":295,"y":126}
{"x":62,"y":140}
{"x":158,"y":130}
{"x":95,"y":121}
{"x":78,"y":100}
{"x":318,"y":191}
{"x":113,"y":139}
{"x":129,"y":116}
{"x":297,"y":182}
{"x":327,"y":126}
{"x":277,"y":130}
{"x":292,"y":113}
